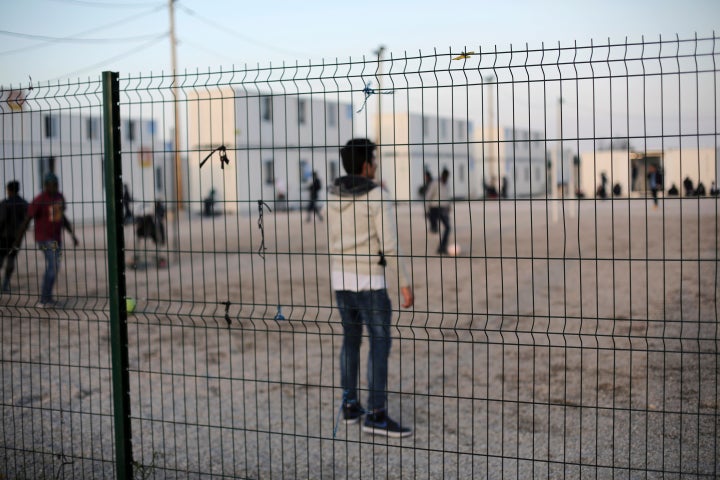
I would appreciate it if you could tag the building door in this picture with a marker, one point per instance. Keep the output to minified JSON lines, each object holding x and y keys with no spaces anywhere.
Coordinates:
{"x":46,"y":165}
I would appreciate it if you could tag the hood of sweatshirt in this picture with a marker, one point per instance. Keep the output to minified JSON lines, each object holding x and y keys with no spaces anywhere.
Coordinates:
{"x":352,"y":186}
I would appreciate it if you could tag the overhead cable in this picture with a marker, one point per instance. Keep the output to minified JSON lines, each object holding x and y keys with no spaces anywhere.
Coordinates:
{"x":233,"y":32}
{"x":104,"y":27}
{"x":47,"y":38}
{"x":112,"y":59}
{"x":106,"y":4}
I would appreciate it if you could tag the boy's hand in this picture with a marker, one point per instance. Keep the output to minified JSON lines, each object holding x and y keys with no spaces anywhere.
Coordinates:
{"x":408,"y":297}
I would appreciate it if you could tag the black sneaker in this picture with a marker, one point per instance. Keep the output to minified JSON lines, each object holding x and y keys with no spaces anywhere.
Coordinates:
{"x":378,"y":423}
{"x":352,"y":411}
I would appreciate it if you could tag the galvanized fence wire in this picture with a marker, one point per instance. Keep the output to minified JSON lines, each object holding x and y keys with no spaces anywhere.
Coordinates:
{"x":571,"y":332}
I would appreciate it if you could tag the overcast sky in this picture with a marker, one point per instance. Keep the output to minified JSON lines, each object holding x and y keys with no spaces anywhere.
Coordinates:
{"x":77,"y":39}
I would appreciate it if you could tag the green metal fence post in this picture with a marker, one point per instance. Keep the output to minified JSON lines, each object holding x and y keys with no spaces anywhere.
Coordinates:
{"x":116,"y":275}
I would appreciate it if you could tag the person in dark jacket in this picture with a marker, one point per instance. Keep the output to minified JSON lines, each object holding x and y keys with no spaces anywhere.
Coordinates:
{"x":437,"y":198}
{"x":127,"y":201}
{"x":12,"y":213}
{"x":314,"y":187}
{"x":689,"y":187}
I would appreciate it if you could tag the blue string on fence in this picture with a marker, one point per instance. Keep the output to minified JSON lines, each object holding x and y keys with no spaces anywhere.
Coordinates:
{"x":342,"y":403}
{"x":368,"y":91}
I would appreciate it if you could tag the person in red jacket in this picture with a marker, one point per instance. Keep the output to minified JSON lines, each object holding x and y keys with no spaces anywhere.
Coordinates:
{"x":48,"y":212}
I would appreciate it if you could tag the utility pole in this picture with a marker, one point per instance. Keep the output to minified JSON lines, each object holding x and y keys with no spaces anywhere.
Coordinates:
{"x":571,"y":180}
{"x":494,"y":145}
{"x":176,"y":129}
{"x":556,"y":162}
{"x":379,"y":52}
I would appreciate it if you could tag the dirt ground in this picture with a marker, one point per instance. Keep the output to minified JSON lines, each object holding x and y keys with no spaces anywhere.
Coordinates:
{"x":579,"y":346}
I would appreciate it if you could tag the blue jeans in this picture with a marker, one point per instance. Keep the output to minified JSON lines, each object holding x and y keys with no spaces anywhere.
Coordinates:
{"x":52,"y":251}
{"x":441,"y":215}
{"x":371,"y":308}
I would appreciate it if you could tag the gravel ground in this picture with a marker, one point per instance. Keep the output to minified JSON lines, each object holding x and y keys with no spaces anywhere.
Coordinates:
{"x":581,"y":348}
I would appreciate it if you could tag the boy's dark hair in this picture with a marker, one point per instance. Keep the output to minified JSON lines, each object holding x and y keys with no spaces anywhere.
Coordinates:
{"x":13,"y":187}
{"x":355,"y":153}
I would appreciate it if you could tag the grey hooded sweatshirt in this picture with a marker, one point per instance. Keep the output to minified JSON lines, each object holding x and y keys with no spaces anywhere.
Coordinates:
{"x":363,"y":233}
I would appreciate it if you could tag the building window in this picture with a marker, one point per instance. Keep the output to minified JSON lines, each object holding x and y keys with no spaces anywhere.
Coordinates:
{"x":460,"y":128}
{"x":305,"y":171}
{"x":461,"y":172}
{"x":267,"y":108}
{"x":443,"y":129}
{"x":333,"y":170}
{"x":50,"y":126}
{"x":331,"y":114}
{"x":130,"y":125}
{"x":526,"y":174}
{"x":269,"y":172}
{"x":93,"y":128}
{"x":302,"y":111}
{"x":47,"y":165}
{"x":159,"y":179}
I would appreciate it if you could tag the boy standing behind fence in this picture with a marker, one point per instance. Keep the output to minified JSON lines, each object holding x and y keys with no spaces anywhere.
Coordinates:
{"x":363,"y":240}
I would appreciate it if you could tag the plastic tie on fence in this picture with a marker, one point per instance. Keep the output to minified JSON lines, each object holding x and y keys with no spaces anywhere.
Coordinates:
{"x":279,"y":315}
{"x":369,"y":91}
{"x":227,"y":313}
{"x":261,"y":227}
{"x":223,"y":157}
{"x":337,"y":418}
{"x":464,"y":55}
{"x":343,"y":401}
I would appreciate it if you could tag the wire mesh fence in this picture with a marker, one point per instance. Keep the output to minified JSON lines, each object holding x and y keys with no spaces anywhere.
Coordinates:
{"x":568,"y":327}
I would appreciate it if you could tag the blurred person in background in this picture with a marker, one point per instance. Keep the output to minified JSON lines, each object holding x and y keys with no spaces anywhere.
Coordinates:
{"x":48,"y":212}
{"x":12,"y":214}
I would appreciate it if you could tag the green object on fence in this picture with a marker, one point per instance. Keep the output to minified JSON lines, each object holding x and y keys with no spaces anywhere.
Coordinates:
{"x":116,"y":275}
{"x":130,"y":305}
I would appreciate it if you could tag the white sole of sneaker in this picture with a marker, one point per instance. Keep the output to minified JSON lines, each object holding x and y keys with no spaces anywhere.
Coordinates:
{"x":385,"y":433}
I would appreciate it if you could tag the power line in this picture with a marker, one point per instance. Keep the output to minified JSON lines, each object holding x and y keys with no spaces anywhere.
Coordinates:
{"x":103,"y":27}
{"x":112,"y":59}
{"x":69,"y":39}
{"x":232,"y":32}
{"x":104,"y":4}
{"x":209,"y":51}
